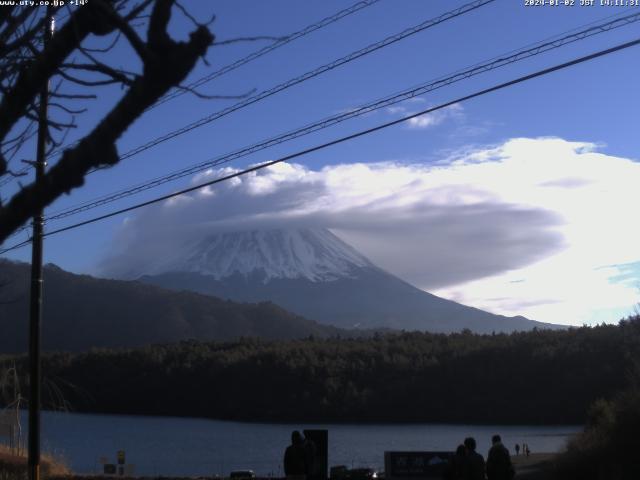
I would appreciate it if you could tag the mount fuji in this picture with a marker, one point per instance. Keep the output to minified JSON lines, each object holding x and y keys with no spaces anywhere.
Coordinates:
{"x":311,"y":272}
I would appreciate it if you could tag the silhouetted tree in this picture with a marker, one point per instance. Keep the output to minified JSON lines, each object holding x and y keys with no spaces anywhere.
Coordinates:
{"x":27,"y":62}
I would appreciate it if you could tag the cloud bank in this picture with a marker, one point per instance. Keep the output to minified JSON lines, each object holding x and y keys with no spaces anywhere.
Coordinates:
{"x":538,"y":227}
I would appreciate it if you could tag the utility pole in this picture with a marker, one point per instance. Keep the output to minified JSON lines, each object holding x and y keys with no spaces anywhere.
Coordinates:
{"x":35,"y":314}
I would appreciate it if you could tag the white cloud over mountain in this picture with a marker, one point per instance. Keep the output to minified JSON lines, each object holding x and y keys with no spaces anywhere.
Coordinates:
{"x":538,"y":227}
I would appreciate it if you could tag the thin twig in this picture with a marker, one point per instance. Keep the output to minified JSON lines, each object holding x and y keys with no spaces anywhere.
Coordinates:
{"x":248,"y":39}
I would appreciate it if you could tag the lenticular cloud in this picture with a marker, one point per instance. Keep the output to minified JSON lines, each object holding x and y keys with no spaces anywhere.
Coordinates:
{"x":493,"y":227}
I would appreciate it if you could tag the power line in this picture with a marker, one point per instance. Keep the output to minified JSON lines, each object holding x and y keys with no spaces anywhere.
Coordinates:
{"x":361,"y":133}
{"x":302,"y":78}
{"x":309,"y":75}
{"x":17,"y":246}
{"x":269,"y":48}
{"x":356,"y":7}
{"x":494,"y":63}
{"x":10,"y":178}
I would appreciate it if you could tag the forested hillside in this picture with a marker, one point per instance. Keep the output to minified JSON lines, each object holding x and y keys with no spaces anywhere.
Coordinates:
{"x":533,"y":377}
{"x":80,"y":312}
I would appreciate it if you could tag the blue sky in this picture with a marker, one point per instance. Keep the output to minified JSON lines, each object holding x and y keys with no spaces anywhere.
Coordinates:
{"x":529,"y":190}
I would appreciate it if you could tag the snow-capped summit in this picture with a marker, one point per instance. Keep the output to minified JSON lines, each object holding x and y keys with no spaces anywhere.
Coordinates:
{"x":313,"y":273}
{"x":312,"y":254}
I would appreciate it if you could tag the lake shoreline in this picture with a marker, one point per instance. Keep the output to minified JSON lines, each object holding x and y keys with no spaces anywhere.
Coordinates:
{"x":294,"y":421}
{"x":194,"y":447}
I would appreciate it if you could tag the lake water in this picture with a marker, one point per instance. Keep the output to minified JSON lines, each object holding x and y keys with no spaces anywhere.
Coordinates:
{"x":172,"y":446}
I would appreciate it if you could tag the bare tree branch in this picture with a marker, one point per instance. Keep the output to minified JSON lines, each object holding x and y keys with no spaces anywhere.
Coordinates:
{"x":165,"y":64}
{"x":137,"y":10}
{"x":122,"y":25}
{"x":89,"y":83}
{"x":205,"y":96}
{"x":248,"y":39}
{"x":120,"y":76}
{"x":67,"y":109}
{"x":74,"y":96}
{"x":108,"y":48}
{"x":193,"y":20}
{"x":31,"y":79}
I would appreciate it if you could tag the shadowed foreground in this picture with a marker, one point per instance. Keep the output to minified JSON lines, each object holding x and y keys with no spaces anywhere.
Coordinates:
{"x":14,"y":467}
{"x":537,"y":466}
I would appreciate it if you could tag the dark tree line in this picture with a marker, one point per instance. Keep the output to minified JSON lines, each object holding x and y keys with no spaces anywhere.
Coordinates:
{"x":607,"y":449}
{"x":535,"y":377}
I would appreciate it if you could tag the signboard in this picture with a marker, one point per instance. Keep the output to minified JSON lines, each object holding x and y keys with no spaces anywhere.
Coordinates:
{"x":320,"y":465}
{"x":415,"y":465}
{"x":118,"y":468}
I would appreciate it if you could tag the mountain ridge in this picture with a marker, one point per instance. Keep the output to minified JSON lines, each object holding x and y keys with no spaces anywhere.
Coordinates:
{"x":377,"y":300}
{"x":82,"y":312}
{"x":356,"y":294}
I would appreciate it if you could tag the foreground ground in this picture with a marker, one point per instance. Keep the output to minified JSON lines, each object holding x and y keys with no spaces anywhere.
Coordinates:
{"x":536,"y":466}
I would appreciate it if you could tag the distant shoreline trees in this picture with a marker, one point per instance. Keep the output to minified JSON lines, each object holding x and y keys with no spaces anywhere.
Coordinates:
{"x":538,"y":377}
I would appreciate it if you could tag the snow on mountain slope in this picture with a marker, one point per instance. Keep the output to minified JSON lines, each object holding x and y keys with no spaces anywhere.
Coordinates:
{"x":313,"y":273}
{"x":312,"y":254}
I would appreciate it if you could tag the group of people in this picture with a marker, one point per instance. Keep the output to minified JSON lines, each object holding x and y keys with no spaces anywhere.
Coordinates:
{"x":467,"y":464}
{"x":525,"y":449}
{"x":299,"y":458}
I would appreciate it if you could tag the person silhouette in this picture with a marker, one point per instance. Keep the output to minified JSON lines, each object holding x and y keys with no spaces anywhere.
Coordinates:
{"x":295,"y":465}
{"x":499,"y":465}
{"x":475,"y":462}
{"x":456,"y":468}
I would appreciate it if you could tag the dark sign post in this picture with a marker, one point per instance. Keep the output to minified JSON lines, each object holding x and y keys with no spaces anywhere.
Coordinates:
{"x":120,"y":467}
{"x":415,"y":465}
{"x":121,"y":460}
{"x":320,"y":464}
